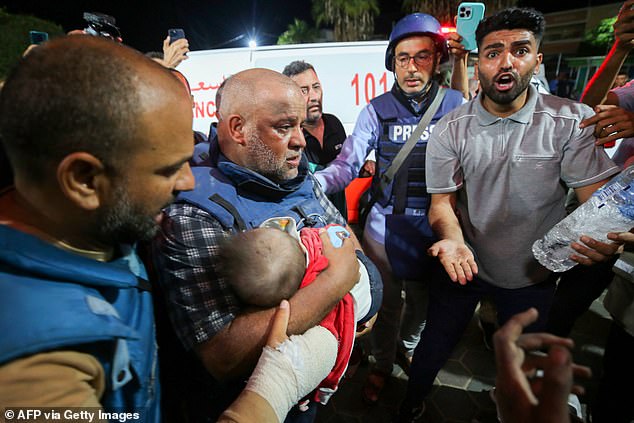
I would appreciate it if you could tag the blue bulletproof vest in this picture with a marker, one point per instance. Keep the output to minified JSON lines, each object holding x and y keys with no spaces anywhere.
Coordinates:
{"x":241,"y":199}
{"x":51,"y":299}
{"x":397,"y":121}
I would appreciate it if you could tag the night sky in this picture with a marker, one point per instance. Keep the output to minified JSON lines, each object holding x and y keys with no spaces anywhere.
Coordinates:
{"x":212,"y":23}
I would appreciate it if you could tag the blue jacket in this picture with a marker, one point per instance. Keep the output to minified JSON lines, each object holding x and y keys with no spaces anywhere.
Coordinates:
{"x":242,"y":199}
{"x":52,"y":299}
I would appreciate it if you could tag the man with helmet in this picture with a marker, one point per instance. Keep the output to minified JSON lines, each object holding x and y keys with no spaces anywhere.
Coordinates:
{"x":397,"y":231}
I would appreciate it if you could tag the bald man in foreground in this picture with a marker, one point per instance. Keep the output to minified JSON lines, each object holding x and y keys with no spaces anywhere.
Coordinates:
{"x":257,"y":172}
{"x":93,"y":169}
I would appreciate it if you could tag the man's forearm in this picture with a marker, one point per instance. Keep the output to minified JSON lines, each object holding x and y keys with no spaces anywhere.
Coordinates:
{"x":233,"y":352}
{"x":342,"y":170}
{"x":444,"y":223}
{"x":460,"y":78}
{"x":448,"y":229}
{"x":312,"y":303}
{"x":584,"y":193}
{"x":451,"y":249}
{"x":346,"y":166}
{"x":601,"y":83}
{"x":249,"y":407}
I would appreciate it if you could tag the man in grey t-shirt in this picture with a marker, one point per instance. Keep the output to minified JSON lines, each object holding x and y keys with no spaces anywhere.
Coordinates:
{"x":496,"y":168}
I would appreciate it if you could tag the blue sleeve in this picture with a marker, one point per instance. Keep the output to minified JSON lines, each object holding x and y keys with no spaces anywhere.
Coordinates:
{"x":341,"y":171}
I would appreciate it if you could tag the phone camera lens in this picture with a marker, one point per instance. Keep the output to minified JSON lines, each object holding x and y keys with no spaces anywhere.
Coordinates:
{"x":462,"y":9}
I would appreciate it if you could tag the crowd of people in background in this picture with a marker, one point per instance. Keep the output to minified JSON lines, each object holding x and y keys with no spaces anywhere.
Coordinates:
{"x":150,"y":270}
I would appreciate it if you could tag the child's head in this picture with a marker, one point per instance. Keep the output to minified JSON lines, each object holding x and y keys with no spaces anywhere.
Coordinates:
{"x":263,"y":266}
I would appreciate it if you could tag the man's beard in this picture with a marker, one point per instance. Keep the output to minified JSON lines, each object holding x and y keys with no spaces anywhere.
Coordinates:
{"x":419,"y":95}
{"x":125,"y":222}
{"x":313,"y":117}
{"x":521,"y":83}
{"x":263,"y":160}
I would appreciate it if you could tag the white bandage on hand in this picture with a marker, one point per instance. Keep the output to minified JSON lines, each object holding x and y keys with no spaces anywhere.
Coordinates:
{"x":286,"y":374}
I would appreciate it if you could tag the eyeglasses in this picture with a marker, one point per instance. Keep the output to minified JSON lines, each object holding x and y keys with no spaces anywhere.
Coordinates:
{"x":420,"y":59}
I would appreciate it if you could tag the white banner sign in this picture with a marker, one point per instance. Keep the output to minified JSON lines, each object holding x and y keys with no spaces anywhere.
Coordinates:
{"x":351,"y":74}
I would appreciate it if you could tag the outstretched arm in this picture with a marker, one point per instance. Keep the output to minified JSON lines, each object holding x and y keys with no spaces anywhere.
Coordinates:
{"x":459,"y":74}
{"x":600,"y":84}
{"x":346,"y":166}
{"x":451,"y":250}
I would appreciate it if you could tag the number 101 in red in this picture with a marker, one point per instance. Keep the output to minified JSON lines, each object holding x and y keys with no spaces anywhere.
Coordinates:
{"x":369,"y":86}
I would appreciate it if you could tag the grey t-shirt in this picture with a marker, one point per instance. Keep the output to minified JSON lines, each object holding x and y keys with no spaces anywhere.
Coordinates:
{"x":510,"y":175}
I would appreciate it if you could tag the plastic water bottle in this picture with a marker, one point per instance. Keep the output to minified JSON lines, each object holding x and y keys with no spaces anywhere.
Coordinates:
{"x":609,"y":209}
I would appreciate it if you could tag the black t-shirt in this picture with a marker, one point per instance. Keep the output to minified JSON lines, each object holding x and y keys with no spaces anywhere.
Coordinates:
{"x":334,"y":136}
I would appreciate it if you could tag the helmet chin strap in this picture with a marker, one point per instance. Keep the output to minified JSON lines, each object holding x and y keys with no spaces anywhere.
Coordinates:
{"x":420,"y":95}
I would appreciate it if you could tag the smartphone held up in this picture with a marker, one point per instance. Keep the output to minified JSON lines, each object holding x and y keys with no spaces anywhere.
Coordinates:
{"x":175,"y":34}
{"x":469,"y":16}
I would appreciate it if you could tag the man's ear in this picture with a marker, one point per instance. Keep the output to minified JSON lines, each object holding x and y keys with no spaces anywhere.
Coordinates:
{"x":82,"y":179}
{"x":540,"y":57}
{"x":236,"y":126}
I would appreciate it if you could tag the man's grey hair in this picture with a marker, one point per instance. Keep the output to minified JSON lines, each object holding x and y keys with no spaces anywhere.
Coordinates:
{"x":297,"y":67}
